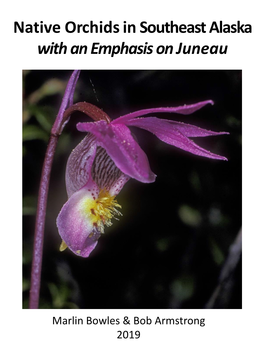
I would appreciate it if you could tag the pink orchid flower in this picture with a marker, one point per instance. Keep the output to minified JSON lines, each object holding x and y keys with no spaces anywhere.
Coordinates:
{"x":103,"y":162}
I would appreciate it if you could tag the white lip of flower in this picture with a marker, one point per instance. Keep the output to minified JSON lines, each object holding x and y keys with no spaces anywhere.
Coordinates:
{"x":102,"y":210}
{"x":99,"y":212}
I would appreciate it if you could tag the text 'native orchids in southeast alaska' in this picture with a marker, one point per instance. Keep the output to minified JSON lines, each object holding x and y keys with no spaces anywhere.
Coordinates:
{"x":106,"y":159}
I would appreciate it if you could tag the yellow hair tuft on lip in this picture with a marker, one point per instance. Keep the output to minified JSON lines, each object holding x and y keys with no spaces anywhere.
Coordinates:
{"x":102,"y":210}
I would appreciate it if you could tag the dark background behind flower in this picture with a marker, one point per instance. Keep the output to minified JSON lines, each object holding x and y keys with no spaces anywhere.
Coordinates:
{"x":170,"y":245}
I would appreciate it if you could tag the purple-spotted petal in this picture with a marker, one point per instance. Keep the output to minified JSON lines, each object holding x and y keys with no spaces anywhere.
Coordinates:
{"x":184,"y":110}
{"x":176,"y":134}
{"x":122,"y":148}
{"x":75,"y":224}
{"x":118,"y":185}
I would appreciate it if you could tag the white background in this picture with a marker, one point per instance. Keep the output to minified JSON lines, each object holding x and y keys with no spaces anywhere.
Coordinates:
{"x":225,"y":329}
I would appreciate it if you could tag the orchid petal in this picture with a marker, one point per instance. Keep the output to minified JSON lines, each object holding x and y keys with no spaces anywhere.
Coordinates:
{"x":122,"y":148}
{"x":194,"y":131}
{"x":79,"y":164}
{"x":173,"y":134}
{"x":75,"y":224}
{"x":184,"y":110}
{"x":186,"y":129}
{"x":118,"y":185}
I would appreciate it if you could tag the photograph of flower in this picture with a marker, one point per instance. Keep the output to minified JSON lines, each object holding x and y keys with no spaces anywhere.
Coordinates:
{"x":132,"y":186}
